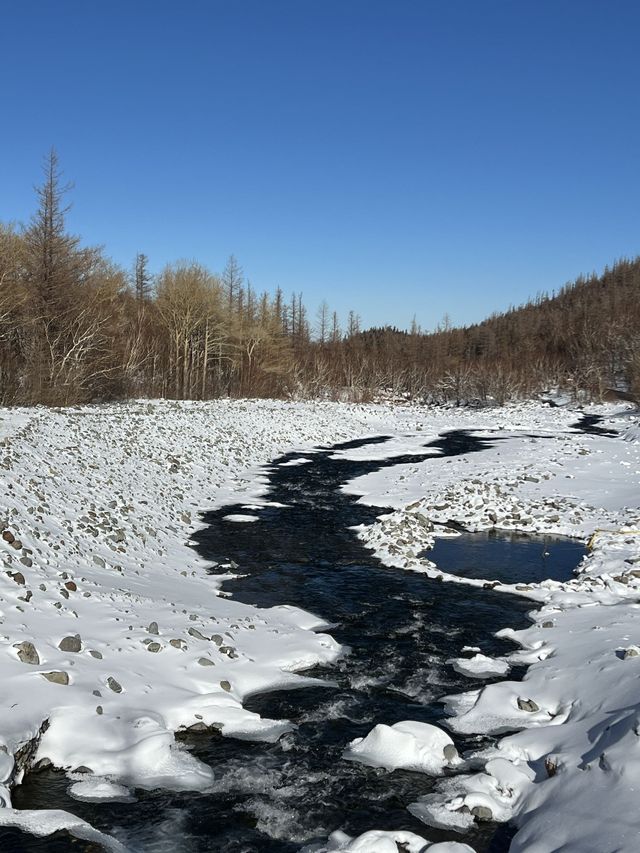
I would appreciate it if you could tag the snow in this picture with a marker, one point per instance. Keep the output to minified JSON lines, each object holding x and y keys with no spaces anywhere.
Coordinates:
{"x":480,"y":666}
{"x":376,"y":841}
{"x":405,"y":746}
{"x":114,"y":636}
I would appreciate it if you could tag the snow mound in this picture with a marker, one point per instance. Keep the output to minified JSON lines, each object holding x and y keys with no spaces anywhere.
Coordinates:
{"x":480,"y":666}
{"x":377,"y":841}
{"x":405,"y":746}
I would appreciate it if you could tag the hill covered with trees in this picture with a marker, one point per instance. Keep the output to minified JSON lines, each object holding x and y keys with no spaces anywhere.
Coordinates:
{"x":74,"y":327}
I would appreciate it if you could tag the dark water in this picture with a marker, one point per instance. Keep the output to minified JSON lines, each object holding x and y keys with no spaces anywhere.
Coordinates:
{"x":400,"y":627}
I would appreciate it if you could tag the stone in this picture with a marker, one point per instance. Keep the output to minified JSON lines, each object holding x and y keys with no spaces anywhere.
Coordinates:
{"x":8,"y":536}
{"x":98,"y":561}
{"x":482,"y":813}
{"x":26,"y":561}
{"x":154,"y":647}
{"x":225,"y":685}
{"x":70,"y":644}
{"x":195,"y":633}
{"x":27,"y":653}
{"x":547,"y":624}
{"x":18,"y":578}
{"x":205,"y":662}
{"x":113,"y":684}
{"x":631,"y":652}
{"x":56,"y":677}
{"x":99,"y":709}
{"x":71,"y":586}
{"x":450,"y":752}
{"x":95,"y":654}
{"x":528,"y":705}
{"x":153,"y":628}
{"x":177,"y":644}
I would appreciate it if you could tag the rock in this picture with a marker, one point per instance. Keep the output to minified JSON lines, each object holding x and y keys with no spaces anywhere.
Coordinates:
{"x":217,"y":639}
{"x":154,"y":647}
{"x":225,"y":686}
{"x":56,"y":677}
{"x":528,"y":705}
{"x":27,"y":653}
{"x":26,"y":561}
{"x":70,"y":644}
{"x":113,"y":684}
{"x":547,"y":624}
{"x":95,"y":654}
{"x":195,"y":633}
{"x":153,"y":628}
{"x":482,"y":813}
{"x":229,"y":651}
{"x":8,"y":536}
{"x":18,"y":578}
{"x":17,"y":544}
{"x":71,"y":586}
{"x":450,"y":752}
{"x":631,"y":652}
{"x":178,"y":644}
{"x":205,"y":662}
{"x":99,"y":709}
{"x":98,"y":561}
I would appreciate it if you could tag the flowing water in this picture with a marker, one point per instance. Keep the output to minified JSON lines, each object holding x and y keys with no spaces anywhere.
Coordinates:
{"x":401,"y":629}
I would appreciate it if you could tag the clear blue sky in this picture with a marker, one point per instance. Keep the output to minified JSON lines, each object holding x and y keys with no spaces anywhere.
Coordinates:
{"x":397,"y":157}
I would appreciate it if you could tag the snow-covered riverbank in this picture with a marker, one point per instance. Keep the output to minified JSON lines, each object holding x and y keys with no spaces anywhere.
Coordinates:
{"x":113,"y":635}
{"x":569,"y":776}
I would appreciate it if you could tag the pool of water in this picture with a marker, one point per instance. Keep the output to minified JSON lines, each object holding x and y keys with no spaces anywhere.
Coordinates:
{"x":400,"y":629}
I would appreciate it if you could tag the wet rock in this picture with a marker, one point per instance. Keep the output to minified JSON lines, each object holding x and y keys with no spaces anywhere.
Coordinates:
{"x":528,"y":705}
{"x":56,"y":677}
{"x":27,"y":653}
{"x":114,"y":685}
{"x":70,"y":644}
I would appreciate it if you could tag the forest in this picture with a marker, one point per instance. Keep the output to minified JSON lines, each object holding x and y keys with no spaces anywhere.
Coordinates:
{"x":77,"y":328}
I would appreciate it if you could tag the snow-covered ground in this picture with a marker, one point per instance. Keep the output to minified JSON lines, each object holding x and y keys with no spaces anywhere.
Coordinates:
{"x":113,"y":635}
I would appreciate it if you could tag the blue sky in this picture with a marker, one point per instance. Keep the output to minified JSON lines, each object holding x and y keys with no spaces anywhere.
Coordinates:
{"x":394,"y":157}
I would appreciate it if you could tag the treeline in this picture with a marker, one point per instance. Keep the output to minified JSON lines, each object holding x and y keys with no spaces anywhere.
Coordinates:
{"x":74,"y":328}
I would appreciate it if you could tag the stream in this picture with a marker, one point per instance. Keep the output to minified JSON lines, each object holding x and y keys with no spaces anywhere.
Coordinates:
{"x":400,"y":628}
